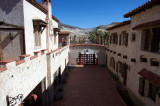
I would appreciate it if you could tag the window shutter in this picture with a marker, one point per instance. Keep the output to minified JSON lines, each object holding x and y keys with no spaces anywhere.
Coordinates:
{"x":141,"y":86}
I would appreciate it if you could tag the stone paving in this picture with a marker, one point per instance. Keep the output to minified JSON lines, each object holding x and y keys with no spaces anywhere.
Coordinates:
{"x":90,"y":86}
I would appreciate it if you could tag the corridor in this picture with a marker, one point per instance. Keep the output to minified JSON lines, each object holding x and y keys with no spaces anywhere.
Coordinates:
{"x":90,"y":86}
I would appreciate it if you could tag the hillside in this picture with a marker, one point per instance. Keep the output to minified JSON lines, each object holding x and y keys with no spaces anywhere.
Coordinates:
{"x":81,"y":31}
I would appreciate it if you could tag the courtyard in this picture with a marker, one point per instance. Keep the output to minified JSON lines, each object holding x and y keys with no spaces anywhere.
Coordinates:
{"x":89,"y":86}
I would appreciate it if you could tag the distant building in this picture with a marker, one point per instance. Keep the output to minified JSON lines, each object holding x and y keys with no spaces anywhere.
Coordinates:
{"x":33,"y":61}
{"x":133,"y":53}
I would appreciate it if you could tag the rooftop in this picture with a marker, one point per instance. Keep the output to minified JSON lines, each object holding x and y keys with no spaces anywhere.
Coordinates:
{"x":143,"y":7}
{"x":119,"y":25}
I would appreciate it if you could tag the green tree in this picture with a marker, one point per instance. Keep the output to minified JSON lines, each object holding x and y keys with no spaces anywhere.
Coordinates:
{"x":99,"y":37}
{"x":92,"y":37}
{"x":106,"y":37}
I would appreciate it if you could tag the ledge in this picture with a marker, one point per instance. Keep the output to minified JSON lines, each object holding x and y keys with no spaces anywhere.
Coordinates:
{"x":7,"y":61}
{"x":2,"y":69}
{"x":44,"y":50}
{"x":33,"y":57}
{"x":19,"y":62}
{"x":37,"y":52}
{"x":25,"y":55}
{"x":56,"y":50}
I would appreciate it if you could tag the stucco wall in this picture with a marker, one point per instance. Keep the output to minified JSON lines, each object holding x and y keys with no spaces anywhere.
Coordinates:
{"x":133,"y":50}
{"x":99,"y":50}
{"x":22,"y":78}
{"x":12,"y":12}
{"x":148,"y":15}
{"x":55,"y":61}
{"x":30,"y":13}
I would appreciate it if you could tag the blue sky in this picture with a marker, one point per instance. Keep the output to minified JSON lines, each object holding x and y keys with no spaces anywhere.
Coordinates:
{"x":91,"y":13}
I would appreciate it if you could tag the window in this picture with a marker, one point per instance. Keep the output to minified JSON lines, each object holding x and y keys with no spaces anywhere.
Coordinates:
{"x":133,"y":37}
{"x":39,"y":26}
{"x":114,"y":38}
{"x":141,"y":86}
{"x":147,"y":39}
{"x":156,"y":40}
{"x":55,"y":39}
{"x":125,"y":38}
{"x":37,"y":34}
{"x":152,"y":91}
{"x":151,"y":41}
{"x":120,"y":39}
{"x":112,"y":63}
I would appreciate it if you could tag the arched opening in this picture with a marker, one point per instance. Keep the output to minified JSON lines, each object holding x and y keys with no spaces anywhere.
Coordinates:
{"x":87,"y":57}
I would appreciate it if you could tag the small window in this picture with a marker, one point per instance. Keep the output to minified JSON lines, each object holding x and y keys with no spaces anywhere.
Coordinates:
{"x":133,"y":37}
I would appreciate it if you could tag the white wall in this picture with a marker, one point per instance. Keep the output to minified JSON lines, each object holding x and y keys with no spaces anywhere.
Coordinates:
{"x":30,"y":13}
{"x":23,"y":78}
{"x":133,"y":50}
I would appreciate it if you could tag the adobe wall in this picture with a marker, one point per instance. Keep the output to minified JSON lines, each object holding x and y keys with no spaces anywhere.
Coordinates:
{"x":99,"y":50}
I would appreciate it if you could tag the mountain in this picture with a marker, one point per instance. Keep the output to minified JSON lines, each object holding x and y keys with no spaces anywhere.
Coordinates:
{"x":82,"y":31}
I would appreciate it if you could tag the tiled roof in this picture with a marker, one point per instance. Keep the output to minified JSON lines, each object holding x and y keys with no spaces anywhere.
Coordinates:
{"x":54,"y":18}
{"x":148,"y":24}
{"x":143,"y":7}
{"x":64,"y":33}
{"x":119,"y":25}
{"x":37,"y":5}
{"x":150,"y":76}
{"x":40,"y":7}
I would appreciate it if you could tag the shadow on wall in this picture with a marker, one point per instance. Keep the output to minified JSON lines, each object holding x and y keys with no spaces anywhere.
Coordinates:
{"x":10,"y":5}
